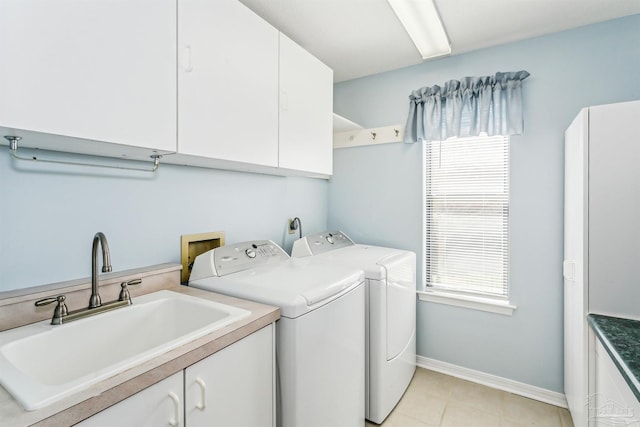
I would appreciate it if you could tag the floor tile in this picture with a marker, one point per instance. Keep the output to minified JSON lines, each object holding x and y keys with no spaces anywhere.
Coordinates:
{"x":530,"y":412}
{"x":433,"y":383}
{"x":512,"y":423}
{"x":438,"y":400}
{"x":477,"y":396}
{"x":458,"y":415}
{"x":565,"y":418}
{"x":422,"y":407}
{"x":402,"y":420}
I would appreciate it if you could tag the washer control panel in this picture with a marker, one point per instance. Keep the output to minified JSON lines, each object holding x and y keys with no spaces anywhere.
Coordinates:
{"x":318,"y":243}
{"x":242,"y":256}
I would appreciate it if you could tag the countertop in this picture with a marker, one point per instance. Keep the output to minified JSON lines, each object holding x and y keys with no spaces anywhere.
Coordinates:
{"x":621,"y":338}
{"x":83,"y":404}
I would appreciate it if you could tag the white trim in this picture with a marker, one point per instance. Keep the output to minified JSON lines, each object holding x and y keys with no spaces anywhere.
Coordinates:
{"x":466,"y":301}
{"x":500,"y":383}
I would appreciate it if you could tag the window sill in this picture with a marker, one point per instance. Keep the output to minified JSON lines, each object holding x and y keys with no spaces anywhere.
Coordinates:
{"x":474,"y":303}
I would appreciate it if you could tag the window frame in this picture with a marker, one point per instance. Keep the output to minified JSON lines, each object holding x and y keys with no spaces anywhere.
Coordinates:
{"x":462,"y":298}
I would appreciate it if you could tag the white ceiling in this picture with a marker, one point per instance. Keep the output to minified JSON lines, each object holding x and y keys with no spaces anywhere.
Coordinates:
{"x":363,"y":37}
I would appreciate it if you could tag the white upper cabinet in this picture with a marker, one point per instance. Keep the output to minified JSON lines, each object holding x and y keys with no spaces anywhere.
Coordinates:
{"x":208,"y":80}
{"x":95,"y":70}
{"x":227,"y":83}
{"x":306,"y":111}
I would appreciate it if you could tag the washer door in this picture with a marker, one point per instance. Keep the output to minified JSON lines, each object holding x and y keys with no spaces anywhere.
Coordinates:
{"x":401,"y":301}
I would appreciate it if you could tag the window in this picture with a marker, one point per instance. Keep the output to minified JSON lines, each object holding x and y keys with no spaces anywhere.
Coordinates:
{"x":467,"y":216}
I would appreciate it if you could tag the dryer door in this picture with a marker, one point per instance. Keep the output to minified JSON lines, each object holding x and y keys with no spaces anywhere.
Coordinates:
{"x":401,"y":301}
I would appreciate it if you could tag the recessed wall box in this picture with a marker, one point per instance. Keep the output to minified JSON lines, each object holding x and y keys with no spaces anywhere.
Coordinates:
{"x":192,"y":245}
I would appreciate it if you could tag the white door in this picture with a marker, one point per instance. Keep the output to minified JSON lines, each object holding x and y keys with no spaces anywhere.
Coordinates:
{"x":227,"y":83}
{"x":234,"y":387}
{"x":156,"y":406}
{"x":97,"y":70}
{"x":575,"y":280}
{"x":306,"y":111}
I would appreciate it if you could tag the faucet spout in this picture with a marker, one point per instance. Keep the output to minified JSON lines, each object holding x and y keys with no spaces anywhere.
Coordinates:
{"x":100,"y":238}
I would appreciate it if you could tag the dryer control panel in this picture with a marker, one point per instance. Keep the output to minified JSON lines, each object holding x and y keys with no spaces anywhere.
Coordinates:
{"x":318,"y":243}
{"x":236,"y":257}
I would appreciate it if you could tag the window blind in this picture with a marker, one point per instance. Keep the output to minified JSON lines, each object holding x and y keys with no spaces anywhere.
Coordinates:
{"x":467,"y":215}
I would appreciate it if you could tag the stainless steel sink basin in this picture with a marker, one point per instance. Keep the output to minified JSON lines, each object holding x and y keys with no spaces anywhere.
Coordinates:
{"x":41,"y":364}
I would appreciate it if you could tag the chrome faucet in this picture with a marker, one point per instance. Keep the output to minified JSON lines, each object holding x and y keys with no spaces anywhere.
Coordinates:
{"x":95,"y":300}
{"x":62,"y":315}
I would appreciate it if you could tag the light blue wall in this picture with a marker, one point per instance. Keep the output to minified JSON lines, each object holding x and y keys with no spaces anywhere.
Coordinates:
{"x":48,"y":216}
{"x":376,"y":192}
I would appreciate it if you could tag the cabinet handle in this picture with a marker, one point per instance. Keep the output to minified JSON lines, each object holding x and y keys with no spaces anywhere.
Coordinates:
{"x":569,"y":270}
{"x":176,"y":408}
{"x":203,"y":394}
{"x":188,"y":66}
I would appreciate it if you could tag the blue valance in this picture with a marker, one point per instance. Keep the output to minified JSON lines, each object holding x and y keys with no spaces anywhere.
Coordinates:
{"x":467,"y":107}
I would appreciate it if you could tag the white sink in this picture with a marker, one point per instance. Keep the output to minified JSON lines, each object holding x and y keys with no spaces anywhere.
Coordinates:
{"x":41,"y":364}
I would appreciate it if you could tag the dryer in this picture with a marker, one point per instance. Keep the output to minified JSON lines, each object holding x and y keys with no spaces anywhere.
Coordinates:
{"x":390,"y":278}
{"x":320,"y":336}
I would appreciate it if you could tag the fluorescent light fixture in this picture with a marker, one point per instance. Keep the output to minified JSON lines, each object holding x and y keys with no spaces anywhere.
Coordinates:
{"x":421,"y":20}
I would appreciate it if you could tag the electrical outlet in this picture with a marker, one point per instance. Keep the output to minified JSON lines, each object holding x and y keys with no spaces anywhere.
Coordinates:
{"x":292,"y":226}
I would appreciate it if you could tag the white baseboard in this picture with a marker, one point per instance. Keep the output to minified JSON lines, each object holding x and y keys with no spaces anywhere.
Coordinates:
{"x":505,"y":384}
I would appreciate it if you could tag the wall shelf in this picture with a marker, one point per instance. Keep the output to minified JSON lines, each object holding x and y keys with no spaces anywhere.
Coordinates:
{"x":349,"y":134}
{"x":340,"y":124}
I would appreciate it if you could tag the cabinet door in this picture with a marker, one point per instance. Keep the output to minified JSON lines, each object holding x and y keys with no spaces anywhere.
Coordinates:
{"x":614,"y":209}
{"x":227,"y":83}
{"x":306,"y":111}
{"x":98,"y":70}
{"x":158,"y":405}
{"x":575,"y":260}
{"x":235,"y":386}
{"x":612,"y":403}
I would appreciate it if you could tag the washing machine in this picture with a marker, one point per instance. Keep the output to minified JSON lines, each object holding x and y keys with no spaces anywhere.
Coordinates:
{"x":320,"y":337}
{"x":390,"y":279}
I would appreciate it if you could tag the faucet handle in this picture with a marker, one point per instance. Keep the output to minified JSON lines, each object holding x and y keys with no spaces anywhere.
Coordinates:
{"x":124,"y":292}
{"x":59,"y":312}
{"x":133,"y":282}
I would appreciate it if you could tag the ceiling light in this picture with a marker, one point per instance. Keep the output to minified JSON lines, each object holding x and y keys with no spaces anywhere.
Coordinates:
{"x":422,"y":21}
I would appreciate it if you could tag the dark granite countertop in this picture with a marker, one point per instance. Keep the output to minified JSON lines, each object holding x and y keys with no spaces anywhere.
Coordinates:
{"x":621,"y":338}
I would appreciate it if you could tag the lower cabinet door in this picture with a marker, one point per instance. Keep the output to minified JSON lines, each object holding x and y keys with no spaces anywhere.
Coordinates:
{"x":234,"y":387}
{"x":158,"y":405}
{"x":612,"y":403}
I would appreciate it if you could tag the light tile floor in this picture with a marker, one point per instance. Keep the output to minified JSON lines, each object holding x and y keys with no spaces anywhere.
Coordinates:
{"x":438,"y":400}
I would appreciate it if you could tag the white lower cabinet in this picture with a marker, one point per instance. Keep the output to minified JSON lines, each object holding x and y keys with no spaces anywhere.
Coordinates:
{"x":234,"y":387}
{"x":158,"y":405}
{"x":612,"y":401}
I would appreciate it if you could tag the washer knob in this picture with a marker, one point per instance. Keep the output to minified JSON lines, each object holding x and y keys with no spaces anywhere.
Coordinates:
{"x":250,"y":253}
{"x":330,"y":239}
